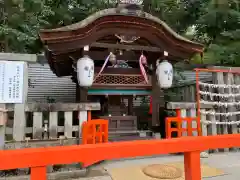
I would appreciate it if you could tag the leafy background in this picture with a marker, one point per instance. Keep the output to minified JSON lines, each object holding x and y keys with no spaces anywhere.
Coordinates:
{"x":215,"y":23}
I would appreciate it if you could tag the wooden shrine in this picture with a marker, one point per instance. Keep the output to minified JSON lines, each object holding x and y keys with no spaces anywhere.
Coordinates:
{"x":123,"y":34}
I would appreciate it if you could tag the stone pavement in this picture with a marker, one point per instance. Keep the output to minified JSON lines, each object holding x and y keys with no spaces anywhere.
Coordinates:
{"x":229,"y":162}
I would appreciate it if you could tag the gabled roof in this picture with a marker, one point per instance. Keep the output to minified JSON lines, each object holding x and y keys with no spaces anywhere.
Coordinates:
{"x":112,"y":21}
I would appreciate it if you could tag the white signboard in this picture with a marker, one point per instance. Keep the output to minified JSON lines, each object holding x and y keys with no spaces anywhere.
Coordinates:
{"x":11,"y":81}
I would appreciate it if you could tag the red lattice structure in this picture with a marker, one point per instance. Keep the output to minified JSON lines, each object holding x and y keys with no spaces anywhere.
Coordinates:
{"x":95,"y":131}
{"x":178,"y":120}
{"x":120,"y":79}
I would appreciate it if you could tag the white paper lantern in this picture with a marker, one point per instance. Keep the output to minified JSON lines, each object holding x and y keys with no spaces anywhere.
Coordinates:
{"x":85,"y":71}
{"x":164,"y":74}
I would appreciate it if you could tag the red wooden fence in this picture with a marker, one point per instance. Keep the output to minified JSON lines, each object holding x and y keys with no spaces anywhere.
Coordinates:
{"x":178,"y":120}
{"x":95,"y":131}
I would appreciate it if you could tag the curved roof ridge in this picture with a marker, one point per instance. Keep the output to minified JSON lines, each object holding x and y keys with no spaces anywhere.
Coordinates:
{"x":113,"y":11}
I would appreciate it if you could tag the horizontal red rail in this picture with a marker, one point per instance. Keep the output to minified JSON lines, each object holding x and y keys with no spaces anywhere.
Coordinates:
{"x":39,"y":158}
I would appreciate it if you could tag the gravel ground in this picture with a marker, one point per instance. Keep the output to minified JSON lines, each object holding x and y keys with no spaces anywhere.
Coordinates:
{"x":228,"y":162}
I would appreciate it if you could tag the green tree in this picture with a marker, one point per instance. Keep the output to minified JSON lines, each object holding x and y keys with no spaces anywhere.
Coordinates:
{"x":220,"y":27}
{"x":21,"y":20}
{"x":19,"y":24}
{"x":178,"y":14}
{"x":215,"y":23}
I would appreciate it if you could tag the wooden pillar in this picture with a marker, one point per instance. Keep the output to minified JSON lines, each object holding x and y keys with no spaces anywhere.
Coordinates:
{"x":192,"y":165}
{"x":77,"y":93}
{"x":19,"y":111}
{"x":156,"y":99}
{"x":83,"y":94}
{"x":82,"y":115}
{"x":3,"y":120}
{"x":130,"y":105}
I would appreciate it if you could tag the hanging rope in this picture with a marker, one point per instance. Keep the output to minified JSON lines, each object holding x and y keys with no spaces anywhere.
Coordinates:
{"x":103,"y":67}
{"x":143,"y":60}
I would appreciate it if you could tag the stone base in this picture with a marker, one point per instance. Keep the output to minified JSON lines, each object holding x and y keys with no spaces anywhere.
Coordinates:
{"x":204,"y":155}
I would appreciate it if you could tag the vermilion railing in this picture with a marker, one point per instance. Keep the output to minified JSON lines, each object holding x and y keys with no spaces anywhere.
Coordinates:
{"x":179,"y":129}
{"x":95,"y":131}
{"x":38,"y":159}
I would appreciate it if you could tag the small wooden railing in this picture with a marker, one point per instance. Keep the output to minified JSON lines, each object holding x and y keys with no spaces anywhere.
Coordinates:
{"x":42,"y":121}
{"x":38,"y":159}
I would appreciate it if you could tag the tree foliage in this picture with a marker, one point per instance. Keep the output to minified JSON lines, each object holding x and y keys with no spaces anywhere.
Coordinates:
{"x":215,"y":23}
{"x":218,"y":28}
{"x":21,"y":20}
{"x":19,"y":24}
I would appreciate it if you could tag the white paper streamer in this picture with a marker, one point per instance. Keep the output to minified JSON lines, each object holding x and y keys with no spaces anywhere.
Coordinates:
{"x":219,"y":95}
{"x":227,"y":114}
{"x":219,"y":85}
{"x":221,"y":123}
{"x":220,"y":104}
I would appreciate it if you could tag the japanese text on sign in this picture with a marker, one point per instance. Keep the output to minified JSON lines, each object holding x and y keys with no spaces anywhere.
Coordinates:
{"x":11,"y":81}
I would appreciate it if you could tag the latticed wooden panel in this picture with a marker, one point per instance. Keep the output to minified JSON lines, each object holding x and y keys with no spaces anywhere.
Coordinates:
{"x":120,"y":79}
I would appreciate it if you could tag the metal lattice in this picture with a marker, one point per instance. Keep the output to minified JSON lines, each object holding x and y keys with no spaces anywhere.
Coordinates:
{"x":120,"y":79}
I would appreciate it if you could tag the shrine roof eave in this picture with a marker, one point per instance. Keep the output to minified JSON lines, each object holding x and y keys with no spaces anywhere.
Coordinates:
{"x":63,"y":67}
{"x":109,"y":21}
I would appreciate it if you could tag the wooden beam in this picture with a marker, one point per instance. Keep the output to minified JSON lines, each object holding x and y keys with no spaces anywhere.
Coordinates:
{"x":98,"y":55}
{"x":18,"y":57}
{"x":102,"y":55}
{"x":186,"y":105}
{"x":68,"y":107}
{"x":127,"y":47}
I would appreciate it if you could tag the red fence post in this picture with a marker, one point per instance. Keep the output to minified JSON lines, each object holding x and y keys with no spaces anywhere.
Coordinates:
{"x":178,"y":113}
{"x":89,"y":116}
{"x":168,"y":128}
{"x":192,"y":165}
{"x":38,"y":173}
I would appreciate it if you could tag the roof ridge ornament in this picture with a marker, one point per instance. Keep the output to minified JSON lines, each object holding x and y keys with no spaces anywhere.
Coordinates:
{"x":133,"y":8}
{"x":137,"y":2}
{"x":130,"y":5}
{"x":127,"y":38}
